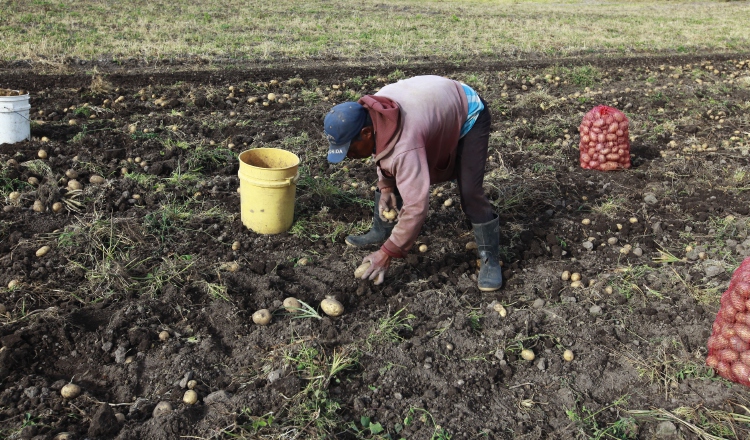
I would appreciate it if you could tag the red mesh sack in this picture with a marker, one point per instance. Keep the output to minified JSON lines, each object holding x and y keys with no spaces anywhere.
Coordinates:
{"x":729,"y":344}
{"x":605,"y":144}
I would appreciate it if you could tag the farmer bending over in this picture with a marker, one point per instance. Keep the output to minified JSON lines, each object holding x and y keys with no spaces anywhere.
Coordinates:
{"x":421,"y":131}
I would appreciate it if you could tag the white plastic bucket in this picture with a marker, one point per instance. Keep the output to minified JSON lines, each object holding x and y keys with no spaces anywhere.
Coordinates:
{"x":14,"y":119}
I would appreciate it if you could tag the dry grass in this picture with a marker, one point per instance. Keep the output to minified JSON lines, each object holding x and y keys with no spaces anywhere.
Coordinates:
{"x":395,"y":30}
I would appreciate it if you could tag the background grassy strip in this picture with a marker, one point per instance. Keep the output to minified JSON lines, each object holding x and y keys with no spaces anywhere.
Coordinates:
{"x":394,"y":30}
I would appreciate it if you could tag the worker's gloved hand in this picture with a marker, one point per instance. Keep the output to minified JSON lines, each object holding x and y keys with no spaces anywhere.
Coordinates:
{"x":379,"y":264}
{"x":388,"y":204}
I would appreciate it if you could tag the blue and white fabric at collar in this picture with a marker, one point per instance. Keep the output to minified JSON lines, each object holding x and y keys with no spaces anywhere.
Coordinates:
{"x":475,"y":107}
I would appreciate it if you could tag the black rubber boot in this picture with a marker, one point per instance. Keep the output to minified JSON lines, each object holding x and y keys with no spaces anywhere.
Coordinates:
{"x":488,"y":246}
{"x":380,"y":231}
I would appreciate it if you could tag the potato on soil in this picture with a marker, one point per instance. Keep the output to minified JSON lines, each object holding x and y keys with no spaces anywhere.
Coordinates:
{"x":331,"y":307}
{"x":423,"y":248}
{"x":291,"y":304}
{"x":527,"y":354}
{"x":163,"y":335}
{"x":361,"y":269}
{"x":42,"y":251}
{"x":70,"y":391}
{"x":568,"y":355}
{"x":262,"y":317}
{"x":190,"y":397}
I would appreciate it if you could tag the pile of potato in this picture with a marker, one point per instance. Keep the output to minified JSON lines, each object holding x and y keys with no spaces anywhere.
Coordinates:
{"x":729,"y":344}
{"x":9,"y":92}
{"x":605,"y":142}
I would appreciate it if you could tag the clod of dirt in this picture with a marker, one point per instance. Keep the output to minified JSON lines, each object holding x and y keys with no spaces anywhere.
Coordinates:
{"x":262,"y":317}
{"x":162,"y":408}
{"x":332,"y":307}
{"x":190,"y":397}
{"x":70,"y":391}
{"x":104,"y":424}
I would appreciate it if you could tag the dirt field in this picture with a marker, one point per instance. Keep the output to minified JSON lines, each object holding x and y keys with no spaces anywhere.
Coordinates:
{"x":151,"y":279}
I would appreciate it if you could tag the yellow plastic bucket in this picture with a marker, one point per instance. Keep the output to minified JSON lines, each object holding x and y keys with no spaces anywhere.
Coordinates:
{"x":268,"y":184}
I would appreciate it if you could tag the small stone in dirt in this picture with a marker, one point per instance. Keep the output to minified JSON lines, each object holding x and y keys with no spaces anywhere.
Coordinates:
{"x":31,"y":392}
{"x":217,"y":397}
{"x":186,"y":378}
{"x":542,"y":364}
{"x":398,"y":396}
{"x":162,"y":408}
{"x":103,"y":423}
{"x":650,"y":198}
{"x":275,"y":375}
{"x":538,"y":303}
{"x":638,"y":252}
{"x":588,"y":245}
{"x":120,"y":417}
{"x":665,"y":429}
{"x":120,"y":354}
{"x":712,"y":271}
{"x":595,"y":310}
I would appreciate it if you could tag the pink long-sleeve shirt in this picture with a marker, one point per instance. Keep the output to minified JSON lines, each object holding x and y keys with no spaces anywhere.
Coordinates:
{"x":433,"y":110}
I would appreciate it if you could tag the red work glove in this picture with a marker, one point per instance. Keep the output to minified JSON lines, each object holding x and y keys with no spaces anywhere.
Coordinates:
{"x":387,"y":203}
{"x":379,"y":264}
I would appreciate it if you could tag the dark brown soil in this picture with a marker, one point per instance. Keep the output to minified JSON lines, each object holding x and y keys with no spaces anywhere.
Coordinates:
{"x":149,"y":252}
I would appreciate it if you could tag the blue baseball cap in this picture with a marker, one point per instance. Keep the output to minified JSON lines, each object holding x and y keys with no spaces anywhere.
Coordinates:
{"x":342,"y":125}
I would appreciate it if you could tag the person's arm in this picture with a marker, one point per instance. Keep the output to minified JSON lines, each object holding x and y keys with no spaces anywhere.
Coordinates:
{"x":412,"y":178}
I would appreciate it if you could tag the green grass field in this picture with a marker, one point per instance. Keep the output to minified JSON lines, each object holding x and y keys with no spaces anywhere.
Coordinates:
{"x":391,"y":31}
